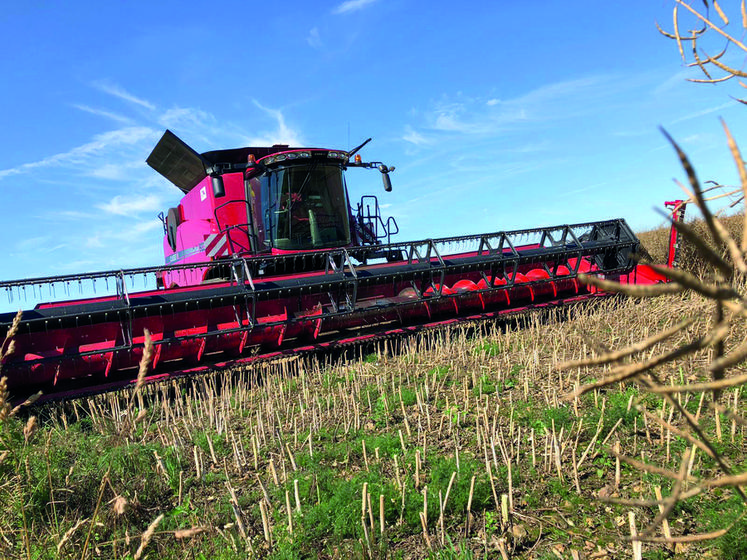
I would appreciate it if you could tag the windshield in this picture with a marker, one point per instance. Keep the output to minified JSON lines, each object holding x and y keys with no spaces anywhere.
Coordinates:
{"x":304,"y":207}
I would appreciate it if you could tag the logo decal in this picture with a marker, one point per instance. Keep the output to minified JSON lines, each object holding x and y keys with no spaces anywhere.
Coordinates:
{"x":203,"y":194}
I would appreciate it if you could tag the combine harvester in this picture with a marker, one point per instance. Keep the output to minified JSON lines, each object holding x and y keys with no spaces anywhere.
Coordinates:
{"x":265,"y":255}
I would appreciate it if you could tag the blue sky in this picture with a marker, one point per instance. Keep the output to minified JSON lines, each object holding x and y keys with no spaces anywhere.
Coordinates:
{"x":497,"y":115}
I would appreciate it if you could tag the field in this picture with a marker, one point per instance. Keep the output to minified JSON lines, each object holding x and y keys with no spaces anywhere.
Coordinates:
{"x":467,"y":443}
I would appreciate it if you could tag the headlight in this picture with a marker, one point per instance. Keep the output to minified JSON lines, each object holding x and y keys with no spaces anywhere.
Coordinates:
{"x":338,"y":155}
{"x":285,"y":156}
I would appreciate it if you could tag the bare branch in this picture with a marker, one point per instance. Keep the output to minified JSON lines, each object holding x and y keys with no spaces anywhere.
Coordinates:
{"x":632,"y":290}
{"x":632,"y":370}
{"x":693,"y":179}
{"x":614,"y":356}
{"x":710,"y":24}
{"x":648,"y":467}
{"x":737,"y":156}
{"x":691,"y":493}
{"x":731,"y":359}
{"x":728,"y":69}
{"x":684,"y":278}
{"x":703,"y":249}
{"x":677,"y":34}
{"x":698,"y":387}
{"x":721,"y":13}
{"x":673,"y":497}
{"x":710,"y":80}
{"x":687,"y":436}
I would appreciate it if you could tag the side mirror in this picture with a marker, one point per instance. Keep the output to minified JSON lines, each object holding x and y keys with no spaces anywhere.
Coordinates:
{"x":387,"y":182}
{"x":385,"y":176}
{"x":219,"y":189}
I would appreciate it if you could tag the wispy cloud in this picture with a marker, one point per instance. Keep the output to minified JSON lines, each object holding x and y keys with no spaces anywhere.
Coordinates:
{"x":186,"y":118}
{"x":314,"y":39}
{"x":414,"y":137}
{"x":550,"y":102}
{"x":284,"y":134}
{"x":126,"y":206}
{"x":97,"y":223}
{"x":106,"y":114}
{"x":352,"y":6}
{"x":115,"y":171}
{"x":708,"y":111}
{"x":80,"y":154}
{"x":673,"y":81}
{"x":121,"y":93}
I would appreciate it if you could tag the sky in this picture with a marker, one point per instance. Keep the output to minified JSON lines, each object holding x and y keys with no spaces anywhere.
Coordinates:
{"x":497,"y":115}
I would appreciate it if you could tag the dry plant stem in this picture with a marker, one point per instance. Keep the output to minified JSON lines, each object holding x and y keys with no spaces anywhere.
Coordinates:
{"x":664,"y":523}
{"x":102,"y":486}
{"x":734,"y":251}
{"x":634,"y":536}
{"x":721,"y":13}
{"x":147,"y":536}
{"x":7,"y":347}
{"x":682,"y":433}
{"x":706,"y":21}
{"x":614,"y":356}
{"x":677,"y":36}
{"x":730,"y":480}
{"x":730,"y":414}
{"x":626,"y":372}
{"x":673,"y":497}
{"x":705,"y":386}
{"x":693,"y":538}
{"x":691,"y":493}
{"x":687,"y":280}
{"x":695,"y":426}
{"x":69,"y":533}
{"x":703,"y":249}
{"x":721,"y":363}
{"x":742,"y":170}
{"x":718,"y":372}
{"x":694,"y":183}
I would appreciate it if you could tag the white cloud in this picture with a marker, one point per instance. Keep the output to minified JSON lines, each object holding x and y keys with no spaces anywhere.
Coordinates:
{"x":79,"y":155}
{"x":560,"y":100}
{"x":414,"y":137}
{"x":102,"y":113}
{"x":314,"y":39}
{"x":109,"y":226}
{"x":185,"y":118}
{"x":708,"y":111}
{"x":115,"y":171}
{"x":674,"y":81}
{"x":126,"y":206}
{"x":352,"y":6}
{"x":121,"y":93}
{"x":282,"y":135}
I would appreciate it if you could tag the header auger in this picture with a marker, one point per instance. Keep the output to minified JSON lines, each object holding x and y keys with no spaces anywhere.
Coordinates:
{"x":265,"y":253}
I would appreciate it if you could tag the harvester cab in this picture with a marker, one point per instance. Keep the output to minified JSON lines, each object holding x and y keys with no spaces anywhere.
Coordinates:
{"x":263,"y":201}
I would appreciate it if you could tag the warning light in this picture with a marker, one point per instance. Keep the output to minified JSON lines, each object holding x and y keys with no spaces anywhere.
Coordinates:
{"x":358,"y":158}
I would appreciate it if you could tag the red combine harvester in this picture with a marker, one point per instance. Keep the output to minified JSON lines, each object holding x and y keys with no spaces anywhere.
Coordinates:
{"x":265,"y":253}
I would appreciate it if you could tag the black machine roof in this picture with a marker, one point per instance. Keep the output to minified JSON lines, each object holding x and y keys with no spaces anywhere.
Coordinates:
{"x":185,"y":168}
